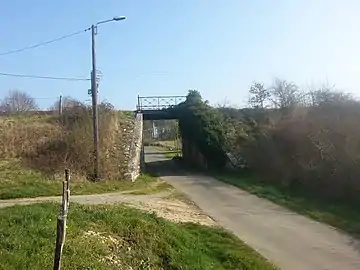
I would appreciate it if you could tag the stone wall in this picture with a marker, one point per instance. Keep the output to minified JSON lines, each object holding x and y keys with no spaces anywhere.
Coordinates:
{"x":136,"y":150}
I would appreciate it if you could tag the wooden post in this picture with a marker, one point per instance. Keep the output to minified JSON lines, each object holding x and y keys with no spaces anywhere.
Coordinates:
{"x":60,"y":105}
{"x":67,"y":180}
{"x":94,"y":97}
{"x":61,"y":221}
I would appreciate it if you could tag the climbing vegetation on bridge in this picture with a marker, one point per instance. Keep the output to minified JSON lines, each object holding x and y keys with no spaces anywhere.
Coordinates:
{"x":202,"y":125}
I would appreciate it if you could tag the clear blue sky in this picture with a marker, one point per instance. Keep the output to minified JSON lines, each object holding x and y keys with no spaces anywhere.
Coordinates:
{"x":168,"y":47}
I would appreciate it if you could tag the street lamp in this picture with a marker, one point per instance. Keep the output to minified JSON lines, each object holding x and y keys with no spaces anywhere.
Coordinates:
{"x":111,"y":20}
{"x":94,"y":95}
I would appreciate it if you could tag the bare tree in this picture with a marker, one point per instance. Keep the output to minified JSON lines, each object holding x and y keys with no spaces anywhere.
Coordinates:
{"x":259,"y":95}
{"x":18,"y":101}
{"x":285,"y":94}
{"x":328,"y":96}
{"x":67,"y":103}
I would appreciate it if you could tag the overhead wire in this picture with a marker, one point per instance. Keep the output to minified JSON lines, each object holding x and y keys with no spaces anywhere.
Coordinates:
{"x":43,"y":77}
{"x":39,"y":45}
{"x":44,"y":43}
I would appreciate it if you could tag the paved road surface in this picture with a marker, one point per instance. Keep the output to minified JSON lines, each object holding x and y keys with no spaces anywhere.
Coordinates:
{"x":291,"y":241}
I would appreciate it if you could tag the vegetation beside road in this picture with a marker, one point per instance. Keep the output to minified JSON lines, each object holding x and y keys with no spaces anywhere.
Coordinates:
{"x":302,"y":144}
{"x":37,"y":147}
{"x":117,"y":237}
{"x":336,"y":214}
{"x":19,"y":182}
{"x":169,"y":153}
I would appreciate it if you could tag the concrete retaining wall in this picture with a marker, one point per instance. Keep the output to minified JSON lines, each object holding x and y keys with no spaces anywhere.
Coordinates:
{"x":136,"y":150}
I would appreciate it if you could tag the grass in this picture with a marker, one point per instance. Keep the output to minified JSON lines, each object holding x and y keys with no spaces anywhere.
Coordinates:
{"x":117,"y":237}
{"x":151,"y":188}
{"x":335,"y":214}
{"x":168,"y":153}
{"x":179,"y":196}
{"x":127,"y":114}
{"x":19,"y":182}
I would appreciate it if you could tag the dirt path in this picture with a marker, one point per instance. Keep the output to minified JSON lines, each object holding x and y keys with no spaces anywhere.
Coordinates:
{"x":163,"y":204}
{"x":290,"y":240}
{"x":107,"y":198}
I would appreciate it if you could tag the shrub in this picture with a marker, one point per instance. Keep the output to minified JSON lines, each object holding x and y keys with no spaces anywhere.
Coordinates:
{"x":311,"y":149}
{"x":201,"y":125}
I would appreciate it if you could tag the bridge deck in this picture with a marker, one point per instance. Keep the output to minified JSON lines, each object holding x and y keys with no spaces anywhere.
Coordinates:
{"x":155,"y":107}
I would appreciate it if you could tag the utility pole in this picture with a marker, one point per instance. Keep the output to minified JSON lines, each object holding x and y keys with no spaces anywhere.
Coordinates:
{"x":94,"y":96}
{"x":60,"y":105}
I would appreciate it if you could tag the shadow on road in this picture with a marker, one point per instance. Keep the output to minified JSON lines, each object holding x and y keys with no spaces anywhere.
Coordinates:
{"x":166,"y":167}
{"x":169,"y":167}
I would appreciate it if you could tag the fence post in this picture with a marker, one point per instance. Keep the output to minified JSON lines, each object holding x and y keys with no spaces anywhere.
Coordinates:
{"x":61,"y":221}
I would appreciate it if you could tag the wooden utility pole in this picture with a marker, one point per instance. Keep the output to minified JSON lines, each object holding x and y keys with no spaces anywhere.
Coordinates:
{"x":94,"y":96}
{"x":60,"y":105}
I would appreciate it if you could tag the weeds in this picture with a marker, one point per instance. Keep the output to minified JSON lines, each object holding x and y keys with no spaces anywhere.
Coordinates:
{"x":50,"y":143}
{"x":117,"y":237}
{"x":16,"y":181}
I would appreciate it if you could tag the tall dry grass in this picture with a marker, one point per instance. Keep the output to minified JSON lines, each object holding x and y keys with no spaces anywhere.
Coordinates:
{"x":51,"y":143}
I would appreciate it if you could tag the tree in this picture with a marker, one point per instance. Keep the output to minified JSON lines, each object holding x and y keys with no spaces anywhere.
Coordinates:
{"x":328,"y":96}
{"x":259,"y":95}
{"x":18,"y":101}
{"x":193,"y":96}
{"x":204,"y":127}
{"x":285,"y":94}
{"x":67,"y":103}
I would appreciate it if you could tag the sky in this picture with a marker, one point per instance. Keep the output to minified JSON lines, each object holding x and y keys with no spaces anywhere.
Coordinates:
{"x":168,"y":47}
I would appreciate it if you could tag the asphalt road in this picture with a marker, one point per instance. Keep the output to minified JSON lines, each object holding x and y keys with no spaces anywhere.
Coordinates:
{"x":289,"y":240}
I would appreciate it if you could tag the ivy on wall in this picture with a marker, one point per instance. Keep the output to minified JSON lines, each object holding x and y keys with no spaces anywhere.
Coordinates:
{"x":203,"y":126}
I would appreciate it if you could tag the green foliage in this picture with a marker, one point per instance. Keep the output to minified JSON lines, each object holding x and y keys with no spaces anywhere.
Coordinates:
{"x":259,"y":95}
{"x":117,"y":237}
{"x":17,"y":181}
{"x":194,"y":97}
{"x":202,"y":125}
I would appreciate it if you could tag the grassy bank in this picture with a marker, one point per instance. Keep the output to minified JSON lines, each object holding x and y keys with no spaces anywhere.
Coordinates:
{"x":117,"y":237}
{"x":336,"y":214}
{"x":48,"y":144}
{"x":19,"y":182}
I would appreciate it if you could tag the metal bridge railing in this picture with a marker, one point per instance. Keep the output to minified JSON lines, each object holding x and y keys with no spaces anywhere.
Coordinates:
{"x":158,"y":102}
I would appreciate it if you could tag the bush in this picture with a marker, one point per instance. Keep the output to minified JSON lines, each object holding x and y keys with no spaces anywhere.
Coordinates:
{"x":201,"y":126}
{"x":310,"y":149}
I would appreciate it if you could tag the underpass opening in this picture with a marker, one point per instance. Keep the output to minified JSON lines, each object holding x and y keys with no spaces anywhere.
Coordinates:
{"x":181,"y":126}
{"x":161,"y":126}
{"x":164,"y":135}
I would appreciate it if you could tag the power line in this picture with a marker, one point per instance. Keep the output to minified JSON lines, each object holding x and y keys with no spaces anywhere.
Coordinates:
{"x":35,"y":98}
{"x":44,"y":43}
{"x":43,"y":77}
